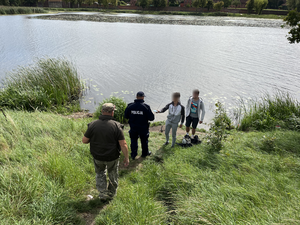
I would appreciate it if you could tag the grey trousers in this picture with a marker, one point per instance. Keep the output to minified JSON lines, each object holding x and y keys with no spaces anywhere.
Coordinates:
{"x":101,"y":168}
{"x":174,"y":127}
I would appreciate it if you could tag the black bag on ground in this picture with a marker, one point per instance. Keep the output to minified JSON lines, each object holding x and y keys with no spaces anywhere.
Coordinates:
{"x":196,"y":140}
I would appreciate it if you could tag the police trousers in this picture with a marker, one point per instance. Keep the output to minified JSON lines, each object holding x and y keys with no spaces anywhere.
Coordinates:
{"x":134,"y":136}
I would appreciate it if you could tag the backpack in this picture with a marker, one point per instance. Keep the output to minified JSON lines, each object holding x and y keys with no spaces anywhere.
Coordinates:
{"x":196,"y":140}
{"x":186,"y":141}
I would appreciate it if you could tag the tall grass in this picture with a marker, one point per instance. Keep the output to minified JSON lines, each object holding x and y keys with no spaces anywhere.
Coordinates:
{"x":247,"y":182}
{"x":266,"y":113}
{"x":10,"y":10}
{"x":51,"y":84}
{"x":120,"y":108}
{"x":45,"y":170}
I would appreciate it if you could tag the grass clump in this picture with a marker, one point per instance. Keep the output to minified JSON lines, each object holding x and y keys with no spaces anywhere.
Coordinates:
{"x":120,"y":108}
{"x":11,"y":10}
{"x":51,"y":84}
{"x":270,"y":111}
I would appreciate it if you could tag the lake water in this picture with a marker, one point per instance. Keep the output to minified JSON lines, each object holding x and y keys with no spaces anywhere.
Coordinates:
{"x":224,"y":62}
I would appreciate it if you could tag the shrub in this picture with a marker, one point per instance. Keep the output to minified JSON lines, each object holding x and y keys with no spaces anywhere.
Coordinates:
{"x":217,"y":131}
{"x":219,"y":5}
{"x":120,"y":106}
{"x":236,"y":3}
{"x":48,"y":85}
{"x":250,"y":6}
{"x":2,"y":11}
{"x":259,"y":5}
{"x":269,"y":111}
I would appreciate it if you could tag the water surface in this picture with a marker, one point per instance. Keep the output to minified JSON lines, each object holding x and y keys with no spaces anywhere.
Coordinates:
{"x":123,"y":58}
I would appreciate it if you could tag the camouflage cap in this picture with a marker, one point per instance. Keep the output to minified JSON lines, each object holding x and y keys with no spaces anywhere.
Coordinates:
{"x":108,"y":107}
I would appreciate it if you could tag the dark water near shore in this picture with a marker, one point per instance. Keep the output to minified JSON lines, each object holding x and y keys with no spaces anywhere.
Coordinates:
{"x":123,"y":58}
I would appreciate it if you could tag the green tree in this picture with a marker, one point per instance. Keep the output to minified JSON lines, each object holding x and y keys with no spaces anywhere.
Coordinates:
{"x":293,"y":20}
{"x":156,"y":3}
{"x":236,"y":3}
{"x":218,"y":6}
{"x":163,"y":3}
{"x":250,"y":6}
{"x":199,"y":3}
{"x":144,"y":3}
{"x":259,"y":5}
{"x":105,"y":3}
{"x":210,"y":4}
{"x":274,"y":4}
{"x":293,"y":4}
{"x":227,"y":3}
{"x":79,"y":2}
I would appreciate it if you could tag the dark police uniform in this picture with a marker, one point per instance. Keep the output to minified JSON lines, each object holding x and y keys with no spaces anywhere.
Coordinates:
{"x":139,"y":115}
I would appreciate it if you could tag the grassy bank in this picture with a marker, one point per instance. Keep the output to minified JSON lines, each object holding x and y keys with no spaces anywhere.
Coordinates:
{"x":167,"y":12}
{"x":12,"y":10}
{"x":46,"y":174}
{"x":50,"y":84}
{"x":249,"y":182}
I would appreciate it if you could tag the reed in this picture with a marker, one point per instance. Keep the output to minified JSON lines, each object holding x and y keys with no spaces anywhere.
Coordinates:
{"x":50,"y":84}
{"x":280,"y":109}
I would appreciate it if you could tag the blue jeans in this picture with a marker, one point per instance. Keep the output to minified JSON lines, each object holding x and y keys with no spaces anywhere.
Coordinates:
{"x":134,"y":136}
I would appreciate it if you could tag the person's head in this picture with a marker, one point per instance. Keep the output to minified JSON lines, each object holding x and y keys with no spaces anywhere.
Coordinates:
{"x":108,"y":109}
{"x":196,"y":93}
{"x":176,"y":97}
{"x":140,"y":95}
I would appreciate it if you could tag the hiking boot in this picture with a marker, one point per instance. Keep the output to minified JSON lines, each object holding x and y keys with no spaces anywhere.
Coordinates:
{"x":166,"y":143}
{"x":105,"y":197}
{"x":149,"y":153}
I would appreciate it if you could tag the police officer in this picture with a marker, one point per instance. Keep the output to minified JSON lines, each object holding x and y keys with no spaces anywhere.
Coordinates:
{"x":139,"y":115}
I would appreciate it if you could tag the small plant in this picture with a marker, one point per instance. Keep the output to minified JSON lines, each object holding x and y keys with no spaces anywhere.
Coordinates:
{"x":268,"y":143}
{"x":217,"y":131}
{"x":120,"y":108}
{"x":293,"y":123}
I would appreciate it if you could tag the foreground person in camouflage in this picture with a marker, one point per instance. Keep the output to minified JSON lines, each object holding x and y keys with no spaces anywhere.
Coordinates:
{"x":106,"y":140}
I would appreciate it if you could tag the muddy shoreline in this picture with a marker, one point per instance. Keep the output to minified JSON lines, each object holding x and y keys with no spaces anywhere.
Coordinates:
{"x":167,"y":19}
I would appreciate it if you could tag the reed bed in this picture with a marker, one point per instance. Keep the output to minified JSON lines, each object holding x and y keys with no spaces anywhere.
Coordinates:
{"x":280,"y":110}
{"x":50,"y":84}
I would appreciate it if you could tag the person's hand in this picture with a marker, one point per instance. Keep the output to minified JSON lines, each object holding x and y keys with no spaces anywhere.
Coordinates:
{"x":126,"y":162}
{"x":180,"y":126}
{"x":200,"y":122}
{"x":157,"y":111}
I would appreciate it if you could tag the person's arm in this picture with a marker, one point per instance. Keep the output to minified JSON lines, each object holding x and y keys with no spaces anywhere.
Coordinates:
{"x":126,"y":114}
{"x":164,"y":108}
{"x":124,"y":149}
{"x":85,"y":140}
{"x":188,"y":105}
{"x":87,"y":135}
{"x":150,"y":114}
{"x":182,"y":115}
{"x":202,"y":112}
